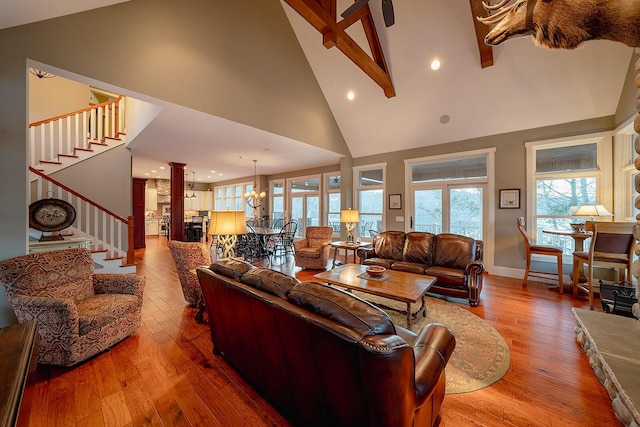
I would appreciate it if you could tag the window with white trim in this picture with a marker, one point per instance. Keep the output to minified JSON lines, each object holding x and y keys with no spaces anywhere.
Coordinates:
{"x":332,"y":183}
{"x":563,"y":175}
{"x":369,"y":195}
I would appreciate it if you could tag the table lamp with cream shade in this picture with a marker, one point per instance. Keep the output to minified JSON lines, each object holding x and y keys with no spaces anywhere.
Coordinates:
{"x":227,"y":225}
{"x":350,"y":217}
{"x":589,"y":211}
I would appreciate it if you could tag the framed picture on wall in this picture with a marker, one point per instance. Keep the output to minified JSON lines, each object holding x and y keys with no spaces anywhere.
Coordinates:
{"x":395,"y":201}
{"x":510,"y":198}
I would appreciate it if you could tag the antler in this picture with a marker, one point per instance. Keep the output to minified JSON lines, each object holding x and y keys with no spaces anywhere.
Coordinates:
{"x":487,"y":6}
{"x":496,"y":17}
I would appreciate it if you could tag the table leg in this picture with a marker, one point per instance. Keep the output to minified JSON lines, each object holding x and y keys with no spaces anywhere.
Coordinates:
{"x":335,"y":255}
{"x":409,"y":316}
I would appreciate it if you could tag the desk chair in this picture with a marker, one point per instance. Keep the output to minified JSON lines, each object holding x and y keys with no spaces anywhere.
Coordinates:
{"x":611,"y":247}
{"x":548,"y":250}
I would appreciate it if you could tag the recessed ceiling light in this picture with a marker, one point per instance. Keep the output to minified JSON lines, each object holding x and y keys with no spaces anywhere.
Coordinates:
{"x":435,"y":64}
{"x":153,"y":171}
{"x":162,"y":167}
{"x":351,"y":95}
{"x":146,"y":174}
{"x":213,"y":171}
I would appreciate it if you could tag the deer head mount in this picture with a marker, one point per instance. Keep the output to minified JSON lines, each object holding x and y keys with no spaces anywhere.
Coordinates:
{"x":564,"y":24}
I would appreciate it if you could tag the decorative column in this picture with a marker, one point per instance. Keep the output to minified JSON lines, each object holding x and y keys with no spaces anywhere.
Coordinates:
{"x":177,"y":201}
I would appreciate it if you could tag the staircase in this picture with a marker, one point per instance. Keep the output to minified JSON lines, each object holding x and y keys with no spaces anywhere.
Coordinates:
{"x":65,"y":140}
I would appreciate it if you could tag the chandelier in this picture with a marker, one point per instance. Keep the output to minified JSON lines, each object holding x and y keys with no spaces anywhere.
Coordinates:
{"x":41,"y":74}
{"x":254,"y":199}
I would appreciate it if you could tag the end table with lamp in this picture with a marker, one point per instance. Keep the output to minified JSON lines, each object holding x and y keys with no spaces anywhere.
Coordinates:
{"x":346,"y":246}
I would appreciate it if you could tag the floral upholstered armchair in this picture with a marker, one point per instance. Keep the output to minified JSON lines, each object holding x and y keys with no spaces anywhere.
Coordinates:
{"x":188,"y":256}
{"x":79,"y":313}
{"x":313,"y":251}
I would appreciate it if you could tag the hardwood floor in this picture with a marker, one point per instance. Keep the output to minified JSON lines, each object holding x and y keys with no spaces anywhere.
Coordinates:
{"x":166,"y":374}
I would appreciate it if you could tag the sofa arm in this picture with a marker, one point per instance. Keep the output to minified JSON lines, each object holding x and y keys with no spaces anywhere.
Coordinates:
{"x":474,"y":272}
{"x":432,"y":351}
{"x":299,"y":244}
{"x":365,"y":253}
{"x":56,"y":314}
{"x":114,"y":283}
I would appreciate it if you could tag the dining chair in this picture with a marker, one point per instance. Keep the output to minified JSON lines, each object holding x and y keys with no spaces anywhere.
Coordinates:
{"x":611,"y":247}
{"x":283,"y":242}
{"x":548,"y":250}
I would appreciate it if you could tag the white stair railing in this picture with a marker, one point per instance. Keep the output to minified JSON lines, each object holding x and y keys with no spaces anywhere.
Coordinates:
{"x":106,"y":230}
{"x":66,"y":134}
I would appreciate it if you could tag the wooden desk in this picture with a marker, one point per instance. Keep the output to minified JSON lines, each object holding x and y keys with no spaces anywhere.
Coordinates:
{"x":17,"y":367}
{"x":347,"y":247}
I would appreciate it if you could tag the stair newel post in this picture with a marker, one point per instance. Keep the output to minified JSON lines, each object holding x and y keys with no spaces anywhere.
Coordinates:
{"x":130,"y":229}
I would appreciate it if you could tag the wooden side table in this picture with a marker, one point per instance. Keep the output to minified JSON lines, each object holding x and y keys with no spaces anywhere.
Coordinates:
{"x":17,"y":368}
{"x":347,"y":247}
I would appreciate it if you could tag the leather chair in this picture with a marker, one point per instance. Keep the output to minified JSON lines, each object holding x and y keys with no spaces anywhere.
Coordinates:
{"x":79,"y":313}
{"x":547,"y":250}
{"x":313,"y":251}
{"x":611,"y":247}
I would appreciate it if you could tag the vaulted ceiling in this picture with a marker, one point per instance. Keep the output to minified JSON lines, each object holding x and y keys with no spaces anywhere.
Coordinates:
{"x":526,"y":87}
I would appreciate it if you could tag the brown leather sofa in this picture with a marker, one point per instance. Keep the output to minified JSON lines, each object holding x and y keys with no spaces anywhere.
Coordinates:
{"x":322,"y":356}
{"x":456,"y":261}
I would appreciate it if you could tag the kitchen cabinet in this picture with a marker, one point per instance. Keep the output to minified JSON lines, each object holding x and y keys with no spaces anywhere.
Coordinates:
{"x":152,"y":227}
{"x":202,"y":202}
{"x":151,"y":199}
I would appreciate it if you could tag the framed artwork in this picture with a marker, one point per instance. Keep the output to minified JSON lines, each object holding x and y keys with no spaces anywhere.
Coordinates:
{"x":395,"y":201}
{"x":510,"y":199}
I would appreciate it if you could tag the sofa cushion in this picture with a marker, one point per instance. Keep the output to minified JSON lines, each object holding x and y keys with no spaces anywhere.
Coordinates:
{"x":447,"y":275}
{"x":274,"y":282}
{"x":230,"y":267}
{"x":454,"y":251}
{"x":409,"y":267}
{"x":389,"y":244}
{"x":342,"y":307}
{"x":102,"y":309}
{"x":418,"y":247}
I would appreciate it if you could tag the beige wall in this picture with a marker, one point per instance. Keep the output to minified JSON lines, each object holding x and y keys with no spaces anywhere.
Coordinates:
{"x":239,"y":60}
{"x":628,"y":104}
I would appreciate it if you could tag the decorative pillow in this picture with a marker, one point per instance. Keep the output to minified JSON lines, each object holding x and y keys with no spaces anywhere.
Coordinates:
{"x":274,"y":282}
{"x":342,"y":307}
{"x":230,"y":267}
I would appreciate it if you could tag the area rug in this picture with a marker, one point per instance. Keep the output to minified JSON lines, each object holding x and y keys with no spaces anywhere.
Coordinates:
{"x":481,"y":356}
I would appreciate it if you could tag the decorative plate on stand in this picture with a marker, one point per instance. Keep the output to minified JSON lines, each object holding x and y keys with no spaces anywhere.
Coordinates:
{"x":51,"y":215}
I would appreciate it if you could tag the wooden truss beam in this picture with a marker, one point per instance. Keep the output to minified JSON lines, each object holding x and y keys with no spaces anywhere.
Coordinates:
{"x":321,"y":14}
{"x":486,"y":52}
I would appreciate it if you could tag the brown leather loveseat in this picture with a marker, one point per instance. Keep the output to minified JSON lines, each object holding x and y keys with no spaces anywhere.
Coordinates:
{"x":322,"y":356}
{"x":456,"y":261}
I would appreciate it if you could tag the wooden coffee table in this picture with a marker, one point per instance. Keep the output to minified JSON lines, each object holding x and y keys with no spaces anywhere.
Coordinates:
{"x":400,"y":286}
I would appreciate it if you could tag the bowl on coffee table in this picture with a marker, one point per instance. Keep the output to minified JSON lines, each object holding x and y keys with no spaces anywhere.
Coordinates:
{"x":375,"y":270}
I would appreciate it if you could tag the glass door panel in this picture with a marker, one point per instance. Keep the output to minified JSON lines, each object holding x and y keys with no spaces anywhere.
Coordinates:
{"x":427,"y":210}
{"x":465,"y":211}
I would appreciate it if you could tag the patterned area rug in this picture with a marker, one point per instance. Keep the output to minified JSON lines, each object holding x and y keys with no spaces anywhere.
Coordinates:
{"x":481,"y":356}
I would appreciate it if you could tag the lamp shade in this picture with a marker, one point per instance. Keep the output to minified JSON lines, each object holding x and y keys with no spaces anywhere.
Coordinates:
{"x":592,"y":211}
{"x":227,"y":223}
{"x":349,"y":215}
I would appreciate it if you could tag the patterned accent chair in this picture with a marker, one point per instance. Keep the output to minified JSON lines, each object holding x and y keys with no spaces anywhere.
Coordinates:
{"x":313,"y":251}
{"x":79,"y":313}
{"x":188,"y":256}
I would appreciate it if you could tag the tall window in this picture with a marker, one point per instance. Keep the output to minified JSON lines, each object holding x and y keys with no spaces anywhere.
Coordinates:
{"x":332,"y":206}
{"x":230,"y":197}
{"x":277,"y":200}
{"x":369,"y":188}
{"x":304,"y":202}
{"x":565,"y":175}
{"x":624,"y":183}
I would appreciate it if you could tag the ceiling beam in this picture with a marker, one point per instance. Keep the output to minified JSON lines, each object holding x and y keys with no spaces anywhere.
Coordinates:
{"x":486,"y":52}
{"x":321,"y":14}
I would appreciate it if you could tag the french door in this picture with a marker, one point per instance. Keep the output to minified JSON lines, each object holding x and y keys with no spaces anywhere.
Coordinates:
{"x":448,"y":208}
